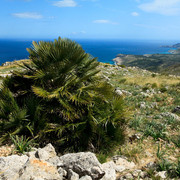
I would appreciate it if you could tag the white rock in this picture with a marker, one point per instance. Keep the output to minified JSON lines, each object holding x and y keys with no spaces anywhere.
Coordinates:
{"x":85,"y":178}
{"x":124,"y":163}
{"x":47,"y":152}
{"x":109,"y":169}
{"x":119,"y":92}
{"x":161,"y":174}
{"x":38,"y":169}
{"x":84,"y":163}
{"x":10,"y":166}
{"x":128,"y":176}
{"x":72,"y":175}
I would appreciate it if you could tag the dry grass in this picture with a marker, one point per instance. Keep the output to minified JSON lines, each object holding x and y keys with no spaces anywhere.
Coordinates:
{"x":159,"y":80}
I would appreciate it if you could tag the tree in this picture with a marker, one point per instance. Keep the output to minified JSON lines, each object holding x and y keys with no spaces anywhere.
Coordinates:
{"x":62,"y":98}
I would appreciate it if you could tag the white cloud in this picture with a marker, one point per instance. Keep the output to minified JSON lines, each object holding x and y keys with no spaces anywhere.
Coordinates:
{"x":165,"y":7}
{"x":65,"y":3}
{"x":104,"y":21}
{"x":81,"y":32}
{"x":28,"y":15}
{"x":135,"y":14}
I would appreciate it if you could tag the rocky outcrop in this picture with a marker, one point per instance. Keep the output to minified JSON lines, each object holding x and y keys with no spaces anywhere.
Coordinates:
{"x":44,"y":164}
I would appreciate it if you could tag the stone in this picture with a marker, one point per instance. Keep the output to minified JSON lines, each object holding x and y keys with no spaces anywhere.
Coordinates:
{"x":10,"y":166}
{"x":62,"y":172}
{"x":128,"y":176}
{"x":176,"y":110}
{"x":83,"y":163}
{"x":124,"y":163}
{"x":38,"y":169}
{"x":46,"y":153}
{"x":161,"y":174}
{"x":142,"y":105}
{"x":151,"y":165}
{"x":85,"y":178}
{"x":109,"y":169}
{"x":168,"y":114}
{"x":72,"y":175}
{"x":136,"y":173}
{"x":119,"y":92}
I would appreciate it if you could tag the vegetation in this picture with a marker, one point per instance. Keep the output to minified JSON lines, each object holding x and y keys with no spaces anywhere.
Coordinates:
{"x":150,"y":99}
{"x":162,"y":63}
{"x":60,"y":97}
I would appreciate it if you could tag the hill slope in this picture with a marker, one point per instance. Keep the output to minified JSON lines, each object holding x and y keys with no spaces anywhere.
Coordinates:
{"x":163,"y":63}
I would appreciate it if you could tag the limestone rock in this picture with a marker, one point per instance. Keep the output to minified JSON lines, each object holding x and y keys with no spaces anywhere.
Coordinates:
{"x":10,"y":166}
{"x":85,"y":178}
{"x":161,"y":174}
{"x":72,"y":175}
{"x":38,"y":169}
{"x":46,"y":153}
{"x":83,"y":163}
{"x":119,"y":92}
{"x":124,"y":163}
{"x":109,"y":169}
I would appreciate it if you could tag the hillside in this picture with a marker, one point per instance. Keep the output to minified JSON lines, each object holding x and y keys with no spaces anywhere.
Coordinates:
{"x":152,"y":101}
{"x":162,"y":63}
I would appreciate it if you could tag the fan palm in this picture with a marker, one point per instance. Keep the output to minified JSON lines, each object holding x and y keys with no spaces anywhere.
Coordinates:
{"x":62,"y":94}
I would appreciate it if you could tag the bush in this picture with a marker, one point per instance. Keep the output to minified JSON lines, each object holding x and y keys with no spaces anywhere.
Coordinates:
{"x":60,"y":98}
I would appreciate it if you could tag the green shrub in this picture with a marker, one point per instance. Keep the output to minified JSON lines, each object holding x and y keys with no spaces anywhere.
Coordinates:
{"x":121,"y":81}
{"x":61,"y":98}
{"x":153,"y":75}
{"x":154,"y":85}
{"x":122,"y":66}
{"x":22,"y":144}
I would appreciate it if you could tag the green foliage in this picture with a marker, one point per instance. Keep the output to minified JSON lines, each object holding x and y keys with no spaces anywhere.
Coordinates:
{"x":176,"y":140}
{"x":22,"y":144}
{"x":60,"y":97}
{"x":123,"y":80}
{"x":153,"y":75}
{"x":155,"y":130}
{"x":154,"y":85}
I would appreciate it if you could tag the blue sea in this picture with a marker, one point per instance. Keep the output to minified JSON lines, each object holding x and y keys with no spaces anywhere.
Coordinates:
{"x":104,"y":50}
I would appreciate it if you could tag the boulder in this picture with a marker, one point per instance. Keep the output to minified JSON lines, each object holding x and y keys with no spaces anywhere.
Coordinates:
{"x":10,"y":166}
{"x":39,"y":169}
{"x":46,"y":153}
{"x":109,"y":169}
{"x":83,"y":163}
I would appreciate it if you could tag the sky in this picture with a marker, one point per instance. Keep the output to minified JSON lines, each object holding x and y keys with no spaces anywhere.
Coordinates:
{"x":90,"y":19}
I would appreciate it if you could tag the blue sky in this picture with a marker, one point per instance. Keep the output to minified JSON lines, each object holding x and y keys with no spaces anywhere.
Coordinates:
{"x":87,"y":19}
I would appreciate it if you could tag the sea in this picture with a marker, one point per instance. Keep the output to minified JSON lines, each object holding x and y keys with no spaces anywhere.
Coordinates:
{"x":105,"y":50}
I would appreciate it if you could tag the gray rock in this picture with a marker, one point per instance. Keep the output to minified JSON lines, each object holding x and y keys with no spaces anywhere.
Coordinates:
{"x":109,"y":169}
{"x":72,"y":175}
{"x":128,"y":176}
{"x":151,"y":165}
{"x":10,"y":166}
{"x":119,"y":92}
{"x":38,"y":169}
{"x":136,"y":173}
{"x":46,"y":153}
{"x":83,"y":164}
{"x":161,"y":174}
{"x":176,"y":110}
{"x":85,"y":178}
{"x":62,"y":172}
{"x":168,"y":114}
{"x":124,"y":163}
